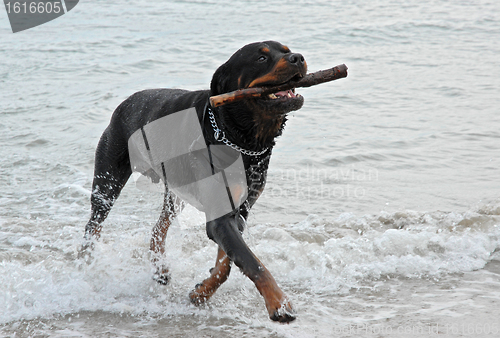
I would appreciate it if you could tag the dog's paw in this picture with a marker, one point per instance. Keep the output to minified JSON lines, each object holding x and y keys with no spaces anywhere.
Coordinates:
{"x":162,"y":276}
{"x":85,"y":251}
{"x":284,"y":314}
{"x":196,"y":296}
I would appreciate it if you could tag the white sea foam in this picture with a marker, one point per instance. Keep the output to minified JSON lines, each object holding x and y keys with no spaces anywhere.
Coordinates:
{"x":323,"y":257}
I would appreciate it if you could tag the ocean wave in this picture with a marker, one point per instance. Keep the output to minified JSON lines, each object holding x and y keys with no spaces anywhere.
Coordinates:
{"x":43,"y":278}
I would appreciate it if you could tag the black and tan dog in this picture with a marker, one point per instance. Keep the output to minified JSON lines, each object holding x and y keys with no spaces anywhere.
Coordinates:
{"x":250,"y":126}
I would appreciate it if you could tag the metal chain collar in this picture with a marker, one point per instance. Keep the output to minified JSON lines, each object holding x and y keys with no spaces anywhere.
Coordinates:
{"x":221,"y":136}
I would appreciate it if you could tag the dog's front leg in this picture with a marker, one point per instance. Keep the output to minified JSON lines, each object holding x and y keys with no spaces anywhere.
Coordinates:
{"x":225,"y":232}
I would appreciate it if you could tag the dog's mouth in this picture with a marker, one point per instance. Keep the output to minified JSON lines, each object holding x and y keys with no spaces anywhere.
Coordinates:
{"x":283,"y":95}
{"x":282,"y":101}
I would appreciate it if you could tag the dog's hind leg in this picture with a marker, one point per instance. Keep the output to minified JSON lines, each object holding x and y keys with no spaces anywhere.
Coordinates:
{"x":111,"y":172}
{"x":218,"y":275}
{"x":172,"y":206}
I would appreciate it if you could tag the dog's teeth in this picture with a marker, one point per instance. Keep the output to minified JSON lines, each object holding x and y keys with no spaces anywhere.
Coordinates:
{"x":272,"y":96}
{"x":289,"y":95}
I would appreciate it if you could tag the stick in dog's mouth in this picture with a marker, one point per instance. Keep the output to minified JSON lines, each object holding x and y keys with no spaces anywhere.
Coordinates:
{"x":284,"y":90}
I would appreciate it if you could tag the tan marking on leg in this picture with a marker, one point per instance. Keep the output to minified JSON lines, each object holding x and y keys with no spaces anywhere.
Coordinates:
{"x":157,"y":244}
{"x":218,"y":275}
{"x":278,"y":306}
{"x":171,"y":208}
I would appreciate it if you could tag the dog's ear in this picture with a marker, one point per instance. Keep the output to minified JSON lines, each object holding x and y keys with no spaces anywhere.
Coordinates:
{"x":220,"y":80}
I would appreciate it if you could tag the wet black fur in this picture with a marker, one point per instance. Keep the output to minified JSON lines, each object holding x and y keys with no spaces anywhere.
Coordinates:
{"x":238,"y":120}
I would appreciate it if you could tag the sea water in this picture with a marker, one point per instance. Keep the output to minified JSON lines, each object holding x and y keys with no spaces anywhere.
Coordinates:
{"x":381,"y":215}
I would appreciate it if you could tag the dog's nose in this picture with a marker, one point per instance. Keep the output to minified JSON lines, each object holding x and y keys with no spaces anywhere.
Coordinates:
{"x":296,"y":58}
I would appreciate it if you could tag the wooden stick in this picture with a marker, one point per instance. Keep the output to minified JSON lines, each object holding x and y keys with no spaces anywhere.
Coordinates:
{"x":309,"y":80}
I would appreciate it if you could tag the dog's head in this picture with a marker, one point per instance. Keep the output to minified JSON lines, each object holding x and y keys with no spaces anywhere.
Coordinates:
{"x":261,"y":64}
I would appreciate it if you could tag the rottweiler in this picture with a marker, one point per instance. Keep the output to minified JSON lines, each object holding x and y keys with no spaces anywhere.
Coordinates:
{"x":249,"y":126}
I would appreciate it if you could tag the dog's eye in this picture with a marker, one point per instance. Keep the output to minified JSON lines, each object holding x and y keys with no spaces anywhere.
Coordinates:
{"x":262,"y":58}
